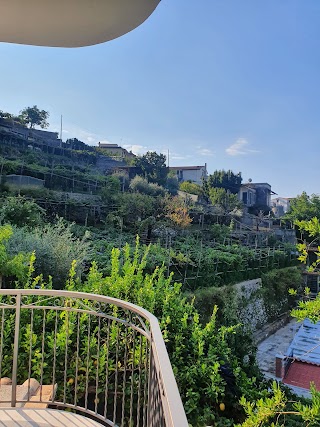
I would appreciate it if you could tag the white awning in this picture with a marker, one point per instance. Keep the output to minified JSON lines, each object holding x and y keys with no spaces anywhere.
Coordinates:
{"x":70,"y":23}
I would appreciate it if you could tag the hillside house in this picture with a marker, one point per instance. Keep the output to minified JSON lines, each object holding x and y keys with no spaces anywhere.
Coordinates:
{"x":194,"y":174}
{"x":255,"y":194}
{"x":281,"y":205}
{"x":114,"y":150}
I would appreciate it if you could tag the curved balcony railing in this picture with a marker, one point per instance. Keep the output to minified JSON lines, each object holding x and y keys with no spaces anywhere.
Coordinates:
{"x":98,"y":356}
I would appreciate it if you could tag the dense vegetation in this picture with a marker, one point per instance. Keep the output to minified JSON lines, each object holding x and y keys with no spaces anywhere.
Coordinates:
{"x":182,"y":268}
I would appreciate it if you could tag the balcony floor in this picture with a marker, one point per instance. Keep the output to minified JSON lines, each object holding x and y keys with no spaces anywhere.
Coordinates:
{"x":11,"y":417}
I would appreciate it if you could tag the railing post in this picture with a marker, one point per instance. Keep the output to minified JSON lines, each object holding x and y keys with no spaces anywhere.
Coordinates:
{"x":150,"y":387}
{"x":16,"y":351}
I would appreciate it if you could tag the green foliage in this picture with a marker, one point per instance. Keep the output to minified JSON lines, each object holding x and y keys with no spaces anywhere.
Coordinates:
{"x":303,"y":207}
{"x":275,"y":290}
{"x":55,"y":248}
{"x":177,"y":212}
{"x":196,"y":351}
{"x":223,"y":179}
{"x":76,"y":144}
{"x":276,"y":411}
{"x":32,"y":116}
{"x":21,"y":212}
{"x":135,"y":207}
{"x":223,"y":199}
{"x":141,"y":185}
{"x":111,"y":189}
{"x":172,"y":184}
{"x":12,"y":265}
{"x":191,"y":187}
{"x":309,"y":309}
{"x":153,"y":167}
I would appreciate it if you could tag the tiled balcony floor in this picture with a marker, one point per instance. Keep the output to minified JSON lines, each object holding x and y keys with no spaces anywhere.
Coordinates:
{"x":11,"y":417}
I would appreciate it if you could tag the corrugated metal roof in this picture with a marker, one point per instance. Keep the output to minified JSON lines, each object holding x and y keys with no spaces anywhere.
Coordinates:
{"x":306,"y":344}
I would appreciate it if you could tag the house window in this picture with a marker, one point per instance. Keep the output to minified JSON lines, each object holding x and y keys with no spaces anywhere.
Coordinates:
{"x":245,"y":197}
{"x":179,"y":175}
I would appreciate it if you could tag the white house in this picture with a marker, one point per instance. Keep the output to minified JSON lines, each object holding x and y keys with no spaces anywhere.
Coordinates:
{"x":194,"y":174}
{"x":281,"y":205}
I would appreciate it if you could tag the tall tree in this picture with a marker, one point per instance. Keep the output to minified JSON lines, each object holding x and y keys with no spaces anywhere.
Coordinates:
{"x":153,"y":167}
{"x":32,"y":116}
{"x":224,"y":199}
{"x":304,"y":207}
{"x":228,"y":180}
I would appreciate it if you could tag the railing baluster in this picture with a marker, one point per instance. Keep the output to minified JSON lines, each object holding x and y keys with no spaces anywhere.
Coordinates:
{"x":88,"y":358}
{"x":42,"y":352}
{"x":116,"y":376}
{"x":96,"y":400}
{"x":66,"y":358}
{"x":106,"y":390}
{"x":146,"y":378}
{"x":124,"y":374}
{"x":121,"y":341}
{"x":54,"y":353}
{"x":77,"y":361}
{"x":132,"y":378}
{"x":16,"y":351}
{"x":1,"y":343}
{"x":139,"y":382}
{"x":30,"y":353}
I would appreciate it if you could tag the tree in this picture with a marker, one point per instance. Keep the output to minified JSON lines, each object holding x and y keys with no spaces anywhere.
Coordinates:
{"x":304,"y":207}
{"x":153,"y":167}
{"x":223,"y":199}
{"x":141,"y":185}
{"x":32,"y":116}
{"x":223,"y":179}
{"x":172,"y":184}
{"x":177,"y":212}
{"x":191,"y":187}
{"x":21,"y":212}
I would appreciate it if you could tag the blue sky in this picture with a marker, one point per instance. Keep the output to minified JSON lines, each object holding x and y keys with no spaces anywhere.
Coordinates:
{"x":231,"y":83}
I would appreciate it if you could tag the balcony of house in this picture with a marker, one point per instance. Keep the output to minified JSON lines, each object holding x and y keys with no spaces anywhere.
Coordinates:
{"x":77,"y":359}
{"x":71,"y":23}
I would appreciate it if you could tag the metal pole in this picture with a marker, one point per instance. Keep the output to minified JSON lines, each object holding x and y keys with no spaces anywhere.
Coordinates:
{"x":61,"y":132}
{"x":16,"y":351}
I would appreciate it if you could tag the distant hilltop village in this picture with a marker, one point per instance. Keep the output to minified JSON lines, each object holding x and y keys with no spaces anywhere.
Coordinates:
{"x":113,"y":157}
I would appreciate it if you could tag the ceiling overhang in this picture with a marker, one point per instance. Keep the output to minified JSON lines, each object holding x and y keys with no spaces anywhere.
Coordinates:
{"x":70,"y":23}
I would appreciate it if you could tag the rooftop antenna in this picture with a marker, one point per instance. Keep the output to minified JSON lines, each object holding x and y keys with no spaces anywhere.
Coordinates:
{"x":61,"y":131}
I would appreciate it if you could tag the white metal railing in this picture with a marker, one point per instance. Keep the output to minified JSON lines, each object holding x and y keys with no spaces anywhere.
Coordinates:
{"x":97,"y":355}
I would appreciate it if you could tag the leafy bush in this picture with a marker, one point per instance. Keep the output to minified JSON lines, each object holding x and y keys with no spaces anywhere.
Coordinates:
{"x":141,"y":185}
{"x":191,"y":187}
{"x":12,"y":265}
{"x":135,"y":207}
{"x":55,"y":248}
{"x":21,"y":212}
{"x":275,"y":290}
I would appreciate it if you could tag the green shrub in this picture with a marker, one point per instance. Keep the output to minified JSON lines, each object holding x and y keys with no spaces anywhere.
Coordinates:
{"x":141,"y":185}
{"x":55,"y":248}
{"x":21,"y":212}
{"x":191,"y":187}
{"x":275,"y":290}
